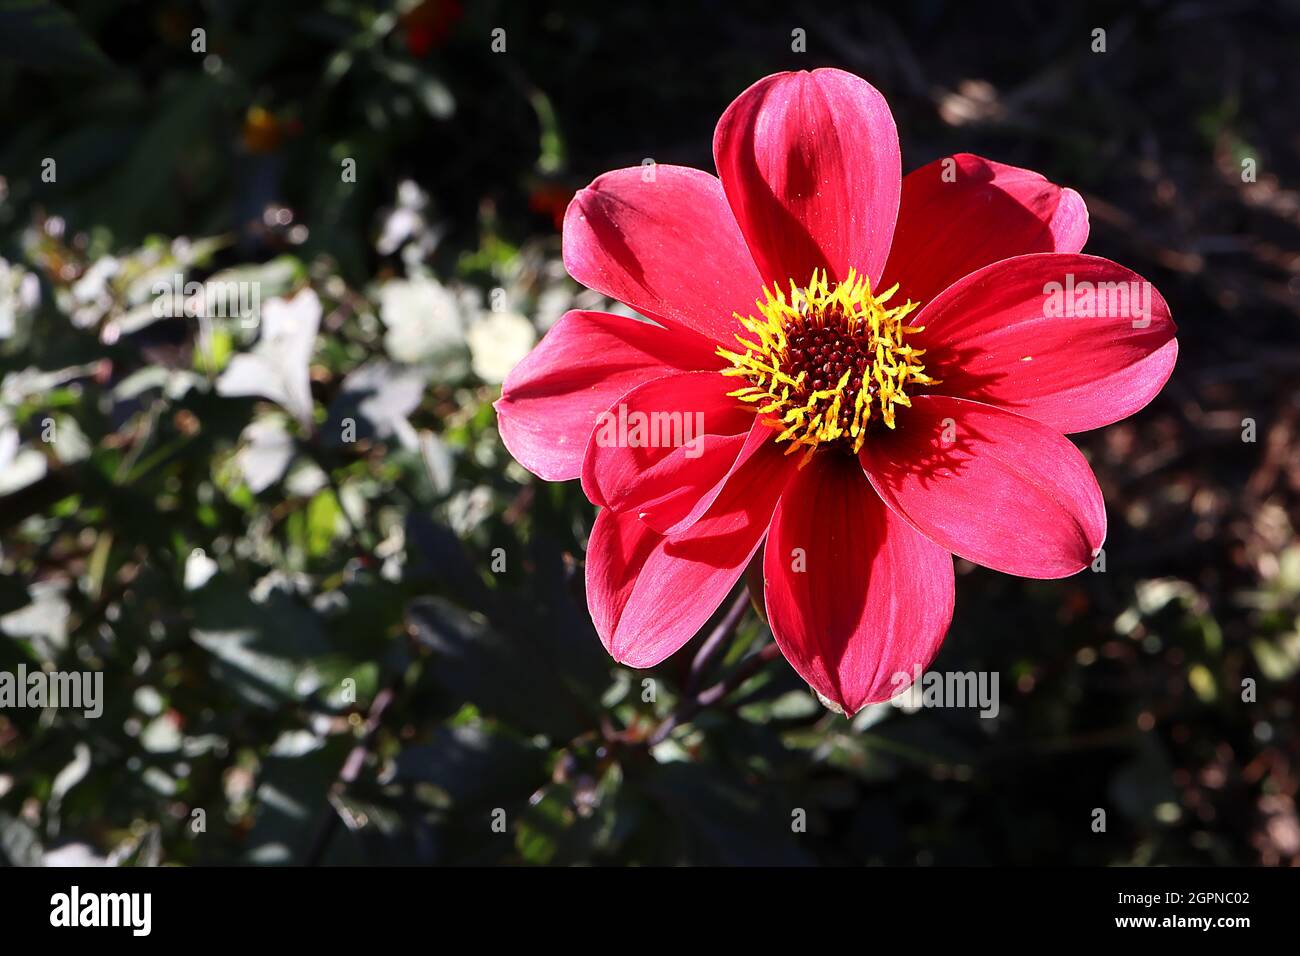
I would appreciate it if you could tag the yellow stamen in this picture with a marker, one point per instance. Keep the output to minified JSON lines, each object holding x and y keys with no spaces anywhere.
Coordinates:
{"x":826,"y":361}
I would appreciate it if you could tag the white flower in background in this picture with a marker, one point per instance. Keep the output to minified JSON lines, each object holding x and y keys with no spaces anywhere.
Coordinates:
{"x":44,"y":621}
{"x":91,"y":298}
{"x":276,"y":368}
{"x":265,"y":452}
{"x":424,"y":322}
{"x":305,"y":479}
{"x":70,"y":444}
{"x":19,"y":466}
{"x":18,"y":387}
{"x":384,"y":395}
{"x":466,"y":510}
{"x":199,"y":569}
{"x":405,"y":221}
{"x":406,"y":228}
{"x":74,"y":854}
{"x":438,"y":462}
{"x":20,"y":293}
{"x":175,"y":384}
{"x":498,"y":341}
{"x":552,"y":303}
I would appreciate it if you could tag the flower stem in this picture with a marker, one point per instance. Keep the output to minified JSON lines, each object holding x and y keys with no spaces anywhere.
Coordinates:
{"x":716,"y":640}
{"x":691,"y":706}
{"x":348,"y":774}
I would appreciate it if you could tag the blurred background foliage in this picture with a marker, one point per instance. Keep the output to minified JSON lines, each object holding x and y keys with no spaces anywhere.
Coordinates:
{"x":323,"y":650}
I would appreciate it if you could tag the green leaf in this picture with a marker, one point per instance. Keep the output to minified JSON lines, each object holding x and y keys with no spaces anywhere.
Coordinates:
{"x":724,"y":821}
{"x":505,"y":676}
{"x":324,"y":522}
{"x":473,"y":767}
{"x":43,"y":36}
{"x":265,"y":646}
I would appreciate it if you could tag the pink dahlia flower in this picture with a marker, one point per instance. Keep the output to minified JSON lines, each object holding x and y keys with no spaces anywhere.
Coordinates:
{"x":859,"y":372}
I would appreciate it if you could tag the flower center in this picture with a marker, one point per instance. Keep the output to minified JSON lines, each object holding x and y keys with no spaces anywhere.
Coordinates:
{"x":828,"y":361}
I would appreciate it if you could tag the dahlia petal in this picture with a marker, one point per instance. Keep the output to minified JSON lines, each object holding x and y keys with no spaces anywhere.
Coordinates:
{"x":669,"y":248}
{"x":991,"y":486}
{"x":997,"y":337}
{"x":811,"y":167}
{"x":858,"y":601}
{"x":665,"y":443}
{"x":964,"y":212}
{"x":673,"y":522}
{"x":647,"y":594}
{"x":550,"y":401}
